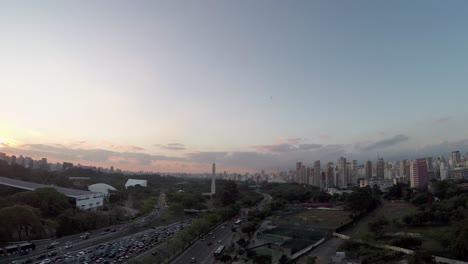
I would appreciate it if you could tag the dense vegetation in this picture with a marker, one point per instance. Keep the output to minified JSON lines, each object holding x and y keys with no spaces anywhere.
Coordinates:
{"x":295,"y":193}
{"x":444,"y":204}
{"x":46,"y":212}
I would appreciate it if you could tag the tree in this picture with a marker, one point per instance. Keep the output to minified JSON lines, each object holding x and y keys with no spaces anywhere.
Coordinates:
{"x":230,"y":193}
{"x":379,"y":226}
{"x":461,"y":241}
{"x":376,"y":192}
{"x":262,"y":259}
{"x":48,"y":200}
{"x":420,"y":199}
{"x":241,"y":242}
{"x":21,"y":218}
{"x":357,"y":202}
{"x":395,"y":192}
{"x":311,"y":260}
{"x":421,"y":257}
{"x":225,"y":258}
{"x":249,"y":228}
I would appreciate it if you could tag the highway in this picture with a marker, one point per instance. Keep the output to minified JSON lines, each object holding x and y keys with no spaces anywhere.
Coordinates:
{"x":201,"y":251}
{"x":95,"y":237}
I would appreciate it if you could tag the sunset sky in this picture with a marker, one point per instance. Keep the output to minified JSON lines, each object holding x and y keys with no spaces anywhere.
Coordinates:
{"x":174,"y":86}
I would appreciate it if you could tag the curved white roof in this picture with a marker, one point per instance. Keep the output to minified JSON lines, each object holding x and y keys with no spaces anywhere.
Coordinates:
{"x":134,"y":182}
{"x":101,"y":188}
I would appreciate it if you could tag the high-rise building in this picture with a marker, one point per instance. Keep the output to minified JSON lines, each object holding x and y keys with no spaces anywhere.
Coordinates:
{"x":430,"y":168}
{"x":29,"y":162}
{"x":317,"y":174}
{"x":12,"y":160}
{"x":418,"y":173}
{"x":380,"y":168}
{"x":443,"y":169}
{"x":330,"y":175}
{"x":20,"y":160}
{"x":298,"y":172}
{"x":342,"y":173}
{"x":368,"y":170}
{"x":309,"y":176}
{"x":213,"y":179}
{"x":455,"y":158}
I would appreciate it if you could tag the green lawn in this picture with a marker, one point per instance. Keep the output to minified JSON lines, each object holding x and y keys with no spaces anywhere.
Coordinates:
{"x":315,"y":218}
{"x":435,"y":238}
{"x":389,"y":210}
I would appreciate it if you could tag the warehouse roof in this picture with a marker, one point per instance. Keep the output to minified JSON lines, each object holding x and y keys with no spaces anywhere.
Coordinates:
{"x":31,"y":186}
{"x":101,"y":188}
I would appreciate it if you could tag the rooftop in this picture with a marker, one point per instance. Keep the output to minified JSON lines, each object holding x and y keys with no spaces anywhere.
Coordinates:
{"x":31,"y":186}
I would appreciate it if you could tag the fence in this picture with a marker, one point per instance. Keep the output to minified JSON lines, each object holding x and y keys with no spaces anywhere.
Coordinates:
{"x":399,"y":249}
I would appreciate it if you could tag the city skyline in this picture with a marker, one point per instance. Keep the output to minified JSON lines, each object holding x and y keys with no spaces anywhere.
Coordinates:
{"x":247,"y":85}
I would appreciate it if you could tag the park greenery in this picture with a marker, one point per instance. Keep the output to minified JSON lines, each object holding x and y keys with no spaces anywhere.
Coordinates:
{"x":46,"y":213}
{"x":295,"y":193}
{"x":443,"y":206}
{"x":228,"y":198}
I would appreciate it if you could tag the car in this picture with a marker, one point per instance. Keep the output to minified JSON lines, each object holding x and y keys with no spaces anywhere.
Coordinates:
{"x":114,"y":230}
{"x":46,"y":261}
{"x":219,"y":241}
{"x":52,"y":253}
{"x":68,"y":246}
{"x":209,"y":243}
{"x":54,"y":243}
{"x":50,"y":246}
{"x":154,"y":253}
{"x":202,"y":239}
{"x":42,"y":256}
{"x":193,"y":260}
{"x":213,"y":237}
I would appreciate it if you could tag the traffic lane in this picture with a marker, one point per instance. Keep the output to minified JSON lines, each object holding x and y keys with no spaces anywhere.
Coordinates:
{"x":79,"y":246}
{"x":201,"y":251}
{"x":226,"y":238}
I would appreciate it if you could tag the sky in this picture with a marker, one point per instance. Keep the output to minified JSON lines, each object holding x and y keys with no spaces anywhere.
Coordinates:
{"x":173,"y":86}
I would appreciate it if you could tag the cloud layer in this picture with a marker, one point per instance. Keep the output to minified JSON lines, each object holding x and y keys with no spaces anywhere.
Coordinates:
{"x":384,"y":143}
{"x":171,"y":146}
{"x":272,"y":157}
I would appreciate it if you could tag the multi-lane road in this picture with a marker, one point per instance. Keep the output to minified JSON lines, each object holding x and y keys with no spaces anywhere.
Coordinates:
{"x":77,"y":242}
{"x":203,"y":249}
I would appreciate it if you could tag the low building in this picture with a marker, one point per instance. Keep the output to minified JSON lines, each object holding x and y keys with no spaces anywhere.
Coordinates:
{"x":85,"y":200}
{"x":332,"y":191}
{"x":135,"y":182}
{"x":383,"y":184}
{"x":101,"y":188}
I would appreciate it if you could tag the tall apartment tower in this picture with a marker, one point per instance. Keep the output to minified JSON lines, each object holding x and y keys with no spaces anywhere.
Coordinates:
{"x":368,"y":169}
{"x":213,"y":180}
{"x":380,"y":168}
{"x":455,"y":158}
{"x":298,"y":172}
{"x":317,"y":174}
{"x":342,"y":168}
{"x":418,"y":173}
